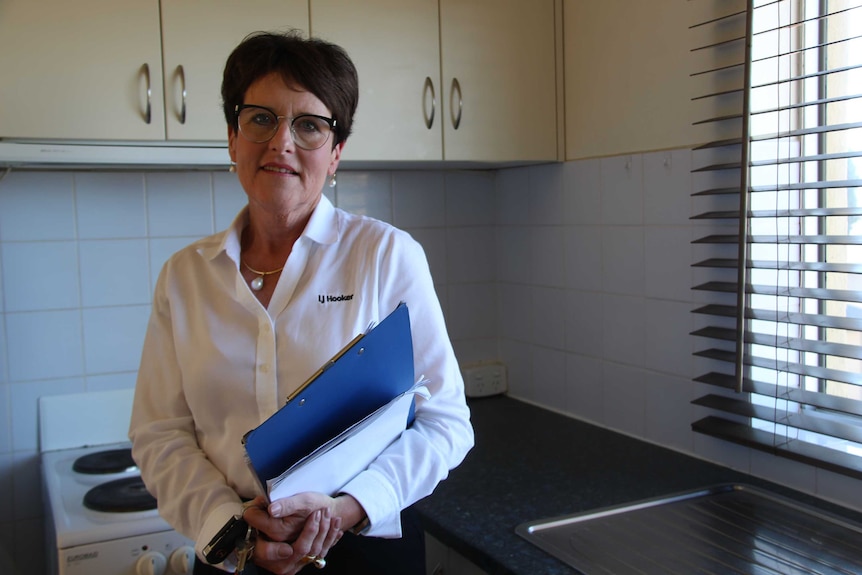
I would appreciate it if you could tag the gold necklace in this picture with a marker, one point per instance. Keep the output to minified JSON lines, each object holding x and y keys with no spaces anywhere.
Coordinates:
{"x":257,"y":283}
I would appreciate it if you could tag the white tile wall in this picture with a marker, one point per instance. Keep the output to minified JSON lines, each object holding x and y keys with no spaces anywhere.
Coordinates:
{"x":622,"y":190}
{"x":577,"y":275}
{"x":547,"y":251}
{"x":582,"y":192}
{"x":366,"y":193}
{"x":668,"y":410}
{"x":667,"y":262}
{"x":114,"y":272}
{"x":665,"y":173}
{"x":179,"y":204}
{"x":6,"y":429}
{"x":419,"y":199}
{"x":469,"y":197}
{"x":547,"y":324}
{"x":584,"y":388}
{"x":44,"y":345}
{"x":103,"y":213}
{"x":623,"y":262}
{"x":37,"y":207}
{"x":48,"y":273}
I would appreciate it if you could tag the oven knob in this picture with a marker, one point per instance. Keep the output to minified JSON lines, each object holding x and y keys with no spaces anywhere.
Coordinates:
{"x":151,"y":563}
{"x":183,"y":560}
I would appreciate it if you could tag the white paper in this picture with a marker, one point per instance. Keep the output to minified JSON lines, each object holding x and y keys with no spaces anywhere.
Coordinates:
{"x":335,"y":463}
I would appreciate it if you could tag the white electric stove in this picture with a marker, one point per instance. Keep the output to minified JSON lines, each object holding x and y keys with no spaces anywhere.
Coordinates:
{"x":100,"y":518}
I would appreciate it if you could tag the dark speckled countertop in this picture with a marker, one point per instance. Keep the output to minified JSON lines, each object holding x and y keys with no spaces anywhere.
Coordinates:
{"x":530,"y":464}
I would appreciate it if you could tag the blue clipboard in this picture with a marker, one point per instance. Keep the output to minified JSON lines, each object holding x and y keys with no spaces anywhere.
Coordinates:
{"x":365,"y":375}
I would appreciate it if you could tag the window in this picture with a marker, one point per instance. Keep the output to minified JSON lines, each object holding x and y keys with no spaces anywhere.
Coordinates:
{"x":797,"y":354}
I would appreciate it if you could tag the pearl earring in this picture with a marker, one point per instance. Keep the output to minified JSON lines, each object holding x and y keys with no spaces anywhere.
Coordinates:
{"x":232,"y":167}
{"x":332,"y":181}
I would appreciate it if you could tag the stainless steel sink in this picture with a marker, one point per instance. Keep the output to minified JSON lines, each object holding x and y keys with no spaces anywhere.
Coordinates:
{"x":719,"y":530}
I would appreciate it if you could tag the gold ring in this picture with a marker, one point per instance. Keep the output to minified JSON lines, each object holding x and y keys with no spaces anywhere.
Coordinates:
{"x":319,"y":562}
{"x":308,"y":559}
{"x":248,"y":505}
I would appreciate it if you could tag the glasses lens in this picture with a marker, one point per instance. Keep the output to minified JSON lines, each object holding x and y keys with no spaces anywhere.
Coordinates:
{"x":310,"y":132}
{"x":257,"y":124}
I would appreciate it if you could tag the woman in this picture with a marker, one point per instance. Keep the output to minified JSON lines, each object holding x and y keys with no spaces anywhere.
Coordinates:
{"x":242,"y":318}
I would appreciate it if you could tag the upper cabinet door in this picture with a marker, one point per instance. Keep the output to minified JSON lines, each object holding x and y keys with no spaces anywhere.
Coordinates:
{"x":394,"y":45}
{"x":80,"y":69}
{"x":197,"y":38}
{"x":499,"y":80}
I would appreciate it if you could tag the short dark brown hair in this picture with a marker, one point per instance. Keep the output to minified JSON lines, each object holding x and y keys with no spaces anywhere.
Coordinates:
{"x":322,"y":68}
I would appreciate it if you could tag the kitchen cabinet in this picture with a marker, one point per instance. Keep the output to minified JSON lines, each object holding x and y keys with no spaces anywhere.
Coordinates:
{"x":80,"y":69}
{"x":461,"y":80}
{"x":92,"y":69}
{"x":456,"y":80}
{"x":442,"y":560}
{"x":197,"y":37}
{"x":628,"y":84}
{"x":397,"y":56}
{"x":502,"y":53}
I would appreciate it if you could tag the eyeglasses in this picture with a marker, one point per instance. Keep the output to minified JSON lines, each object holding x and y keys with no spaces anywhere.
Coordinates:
{"x":258,"y":124}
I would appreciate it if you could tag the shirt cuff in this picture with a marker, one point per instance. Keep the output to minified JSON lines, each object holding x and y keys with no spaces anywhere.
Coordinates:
{"x":380,"y":503}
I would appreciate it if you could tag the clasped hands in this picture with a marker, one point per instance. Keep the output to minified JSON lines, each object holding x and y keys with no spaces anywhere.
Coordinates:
{"x":297,"y":530}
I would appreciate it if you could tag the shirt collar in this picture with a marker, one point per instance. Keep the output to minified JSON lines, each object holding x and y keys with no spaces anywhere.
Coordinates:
{"x":322,"y":228}
{"x":323,"y":225}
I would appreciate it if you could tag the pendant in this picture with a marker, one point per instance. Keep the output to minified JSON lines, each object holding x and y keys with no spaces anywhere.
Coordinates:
{"x":257,"y":283}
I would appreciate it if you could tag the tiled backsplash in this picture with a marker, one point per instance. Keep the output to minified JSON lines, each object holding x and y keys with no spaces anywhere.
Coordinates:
{"x":577,"y":275}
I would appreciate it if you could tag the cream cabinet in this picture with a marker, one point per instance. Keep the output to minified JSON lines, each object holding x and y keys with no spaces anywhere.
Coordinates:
{"x":93,"y":69}
{"x":499,"y":80}
{"x":460,"y":80}
{"x":628,"y":69}
{"x":395,"y":47}
{"x":197,"y":37}
{"x":81,"y":69}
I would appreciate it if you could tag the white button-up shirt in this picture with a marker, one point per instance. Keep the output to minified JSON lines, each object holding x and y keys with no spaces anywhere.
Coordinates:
{"x":216,"y":364}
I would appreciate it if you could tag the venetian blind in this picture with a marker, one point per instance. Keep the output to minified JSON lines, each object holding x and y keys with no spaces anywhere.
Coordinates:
{"x":784,"y":314}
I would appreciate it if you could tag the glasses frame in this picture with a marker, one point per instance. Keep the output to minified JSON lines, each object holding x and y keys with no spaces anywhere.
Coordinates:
{"x":332,"y":122}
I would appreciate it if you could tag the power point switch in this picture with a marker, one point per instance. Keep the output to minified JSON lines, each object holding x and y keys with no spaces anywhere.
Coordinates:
{"x":484,"y":379}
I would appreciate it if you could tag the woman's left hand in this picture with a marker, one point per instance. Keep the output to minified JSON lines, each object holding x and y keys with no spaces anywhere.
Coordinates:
{"x":286,"y":545}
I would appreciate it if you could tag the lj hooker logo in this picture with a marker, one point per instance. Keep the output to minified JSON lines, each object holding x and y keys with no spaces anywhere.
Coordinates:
{"x":334,"y":298}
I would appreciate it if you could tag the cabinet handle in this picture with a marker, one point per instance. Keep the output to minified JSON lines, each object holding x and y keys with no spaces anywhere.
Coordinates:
{"x":148,"y":114}
{"x":429,"y":86}
{"x":456,"y":120}
{"x":182,"y":74}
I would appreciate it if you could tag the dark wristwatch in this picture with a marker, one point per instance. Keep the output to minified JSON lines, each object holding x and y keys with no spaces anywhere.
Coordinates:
{"x":362,"y":527}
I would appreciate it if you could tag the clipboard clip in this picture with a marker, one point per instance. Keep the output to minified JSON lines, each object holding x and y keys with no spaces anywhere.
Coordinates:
{"x":371,"y":325}
{"x":324,"y":367}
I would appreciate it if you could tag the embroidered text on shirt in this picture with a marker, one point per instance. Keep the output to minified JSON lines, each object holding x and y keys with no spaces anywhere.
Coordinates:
{"x":327,"y":298}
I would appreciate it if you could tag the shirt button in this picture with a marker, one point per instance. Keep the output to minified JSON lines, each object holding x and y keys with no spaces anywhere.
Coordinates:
{"x":264,"y":368}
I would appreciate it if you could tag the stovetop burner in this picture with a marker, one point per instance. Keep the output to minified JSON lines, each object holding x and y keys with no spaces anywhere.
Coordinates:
{"x":120,"y":495}
{"x":104,"y":462}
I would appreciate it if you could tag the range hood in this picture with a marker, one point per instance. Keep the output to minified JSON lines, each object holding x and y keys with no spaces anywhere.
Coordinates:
{"x":159,"y":155}
{"x":87,"y":155}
